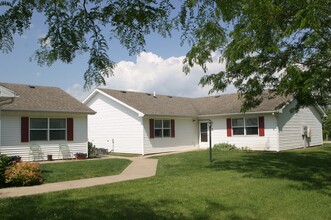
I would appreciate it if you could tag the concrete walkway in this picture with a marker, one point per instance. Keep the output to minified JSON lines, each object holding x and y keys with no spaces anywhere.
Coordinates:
{"x":139,"y":168}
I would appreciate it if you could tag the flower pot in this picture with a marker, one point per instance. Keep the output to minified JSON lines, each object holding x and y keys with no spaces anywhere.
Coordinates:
{"x":17,"y":160}
{"x":80,"y":157}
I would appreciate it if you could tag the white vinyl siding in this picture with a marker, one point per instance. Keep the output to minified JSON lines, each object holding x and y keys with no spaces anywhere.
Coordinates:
{"x":186,"y":136}
{"x":114,"y":126}
{"x":120,"y":128}
{"x":290,"y":127}
{"x":269,"y":142}
{"x":11,"y":135}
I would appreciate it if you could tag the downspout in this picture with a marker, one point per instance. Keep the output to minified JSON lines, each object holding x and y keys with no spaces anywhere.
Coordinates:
{"x":143,"y":136}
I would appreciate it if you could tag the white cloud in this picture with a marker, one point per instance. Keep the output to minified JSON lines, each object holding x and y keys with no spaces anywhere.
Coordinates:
{"x":152,"y":73}
{"x":77,"y":91}
{"x":37,"y":74}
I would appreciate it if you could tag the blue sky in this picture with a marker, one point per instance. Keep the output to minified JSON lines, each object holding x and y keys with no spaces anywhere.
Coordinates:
{"x":158,"y":69}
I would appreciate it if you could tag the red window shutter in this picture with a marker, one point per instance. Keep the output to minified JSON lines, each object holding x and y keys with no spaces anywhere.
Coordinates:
{"x":172,"y":128}
{"x":151,"y":128}
{"x":228,"y":127}
{"x":25,"y":129}
{"x":261,"y":126}
{"x":70,"y":129}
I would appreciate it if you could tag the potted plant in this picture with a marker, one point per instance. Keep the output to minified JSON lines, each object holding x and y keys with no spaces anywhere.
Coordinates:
{"x":80,"y":156}
{"x":15,"y":159}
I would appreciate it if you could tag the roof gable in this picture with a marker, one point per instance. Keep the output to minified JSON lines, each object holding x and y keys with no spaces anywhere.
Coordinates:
{"x":5,"y":92}
{"x":164,"y":105}
{"x":149,"y":104}
{"x":43,"y":98}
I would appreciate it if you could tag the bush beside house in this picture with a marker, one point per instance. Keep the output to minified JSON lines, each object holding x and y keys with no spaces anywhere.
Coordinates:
{"x":16,"y":173}
{"x":23,"y":174}
{"x":4,"y":163}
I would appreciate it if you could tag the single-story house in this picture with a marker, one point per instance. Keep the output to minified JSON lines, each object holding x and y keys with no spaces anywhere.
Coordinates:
{"x":143,"y":123}
{"x":46,"y":116}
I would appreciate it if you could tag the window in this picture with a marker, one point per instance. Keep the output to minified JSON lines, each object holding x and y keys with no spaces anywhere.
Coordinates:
{"x":245,"y":126}
{"x":238,"y":126}
{"x":44,"y":129}
{"x":252,"y":127}
{"x":57,"y":129}
{"x":38,"y":129}
{"x":162,"y":128}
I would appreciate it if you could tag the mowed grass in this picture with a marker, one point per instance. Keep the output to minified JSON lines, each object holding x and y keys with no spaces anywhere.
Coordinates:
{"x":236,"y":185}
{"x":73,"y":170}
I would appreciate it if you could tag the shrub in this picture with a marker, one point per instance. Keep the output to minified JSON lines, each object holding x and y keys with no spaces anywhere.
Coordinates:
{"x":91,"y":149}
{"x":245,"y":148}
{"x":4,"y":163}
{"x":23,"y":174}
{"x":225,"y":146}
{"x":80,"y":154}
{"x":15,"y":159}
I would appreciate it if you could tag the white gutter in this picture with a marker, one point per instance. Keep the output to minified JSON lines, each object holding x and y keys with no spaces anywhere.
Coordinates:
{"x":5,"y":102}
{"x":243,"y":113}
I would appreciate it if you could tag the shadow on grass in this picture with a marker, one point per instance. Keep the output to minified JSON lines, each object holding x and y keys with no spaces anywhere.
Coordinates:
{"x":111,"y":207}
{"x":311,"y":169}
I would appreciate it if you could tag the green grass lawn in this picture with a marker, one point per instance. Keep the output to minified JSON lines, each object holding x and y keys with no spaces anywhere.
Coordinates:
{"x":73,"y":170}
{"x":236,"y":185}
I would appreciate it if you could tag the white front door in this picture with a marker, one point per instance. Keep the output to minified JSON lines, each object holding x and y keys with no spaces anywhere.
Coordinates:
{"x":204,"y":135}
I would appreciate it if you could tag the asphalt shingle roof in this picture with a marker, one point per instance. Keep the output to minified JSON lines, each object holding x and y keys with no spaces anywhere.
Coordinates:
{"x":43,"y":98}
{"x":180,"y":106}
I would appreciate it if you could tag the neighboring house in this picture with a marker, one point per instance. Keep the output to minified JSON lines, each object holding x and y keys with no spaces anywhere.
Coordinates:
{"x":142,"y":123}
{"x":41,"y":115}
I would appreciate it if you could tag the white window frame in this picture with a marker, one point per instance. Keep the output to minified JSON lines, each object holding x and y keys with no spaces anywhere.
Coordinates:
{"x":49,"y":129}
{"x":162,"y":128}
{"x":245,"y":126}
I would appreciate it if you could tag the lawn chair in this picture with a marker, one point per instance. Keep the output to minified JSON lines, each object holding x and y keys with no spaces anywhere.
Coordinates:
{"x":35,"y":152}
{"x":65,"y":151}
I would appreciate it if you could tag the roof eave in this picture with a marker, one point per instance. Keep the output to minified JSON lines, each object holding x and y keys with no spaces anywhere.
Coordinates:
{"x":51,"y":111}
{"x":168,"y":116}
{"x":241,"y":113}
{"x":322,"y":112}
{"x":140,"y":114}
{"x":11,"y":93}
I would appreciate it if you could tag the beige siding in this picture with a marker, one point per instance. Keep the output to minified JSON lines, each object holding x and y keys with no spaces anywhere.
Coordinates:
{"x":186,"y":136}
{"x":290,"y":127}
{"x":11,"y":135}
{"x":114,"y":126}
{"x":269,"y":142}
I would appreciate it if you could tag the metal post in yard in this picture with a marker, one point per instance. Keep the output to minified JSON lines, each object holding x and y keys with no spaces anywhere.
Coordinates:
{"x":210,"y":144}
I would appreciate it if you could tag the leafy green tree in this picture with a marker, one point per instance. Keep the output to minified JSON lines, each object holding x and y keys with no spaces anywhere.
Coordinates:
{"x":327,"y":126}
{"x":85,"y":26}
{"x":280,"y":46}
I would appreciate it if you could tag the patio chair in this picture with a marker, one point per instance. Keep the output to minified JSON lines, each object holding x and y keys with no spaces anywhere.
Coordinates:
{"x":35,"y":152}
{"x":65,"y":151}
